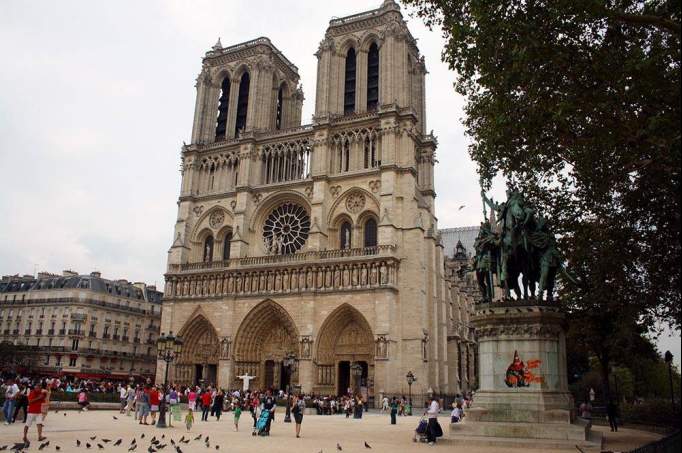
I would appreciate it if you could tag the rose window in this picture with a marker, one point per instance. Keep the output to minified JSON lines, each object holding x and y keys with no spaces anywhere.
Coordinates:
{"x":286,"y":229}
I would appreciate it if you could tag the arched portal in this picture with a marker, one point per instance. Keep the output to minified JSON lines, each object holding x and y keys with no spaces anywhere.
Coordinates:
{"x":198,"y":362}
{"x":345,"y":340}
{"x":265,"y":337}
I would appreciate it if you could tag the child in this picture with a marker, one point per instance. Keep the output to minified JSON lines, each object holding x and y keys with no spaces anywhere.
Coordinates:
{"x":237,"y":414}
{"x":457,"y":413}
{"x":189,"y":419}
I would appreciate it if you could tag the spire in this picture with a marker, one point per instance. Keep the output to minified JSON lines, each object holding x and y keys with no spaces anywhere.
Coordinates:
{"x":218,"y":45}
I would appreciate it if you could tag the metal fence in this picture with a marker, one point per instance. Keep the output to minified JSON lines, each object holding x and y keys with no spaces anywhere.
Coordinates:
{"x":668,"y":444}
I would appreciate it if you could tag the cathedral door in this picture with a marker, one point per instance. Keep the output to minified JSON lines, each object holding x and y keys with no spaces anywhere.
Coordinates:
{"x":211,"y":374}
{"x":343,"y":378}
{"x":198,"y":373}
{"x":269,"y":373}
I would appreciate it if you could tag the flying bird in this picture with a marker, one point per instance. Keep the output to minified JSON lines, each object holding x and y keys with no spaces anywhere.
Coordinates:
{"x":461,"y":207}
{"x":367,"y":445}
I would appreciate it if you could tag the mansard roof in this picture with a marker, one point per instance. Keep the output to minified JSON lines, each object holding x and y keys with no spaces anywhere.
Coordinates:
{"x":92,"y":282}
{"x":259,"y":46}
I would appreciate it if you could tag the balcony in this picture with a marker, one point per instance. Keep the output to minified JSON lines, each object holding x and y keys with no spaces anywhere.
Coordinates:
{"x":330,"y":270}
{"x":5,"y":332}
{"x":136,"y":340}
{"x":27,"y":332}
{"x":50,"y":332}
{"x":39,"y":332}
{"x":150,"y":341}
{"x":62,"y":331}
{"x":106,"y":336}
{"x":78,"y":316}
{"x":116,"y":337}
{"x":92,"y":334}
{"x":76,"y":333}
{"x":15,"y":332}
{"x":125,"y":339}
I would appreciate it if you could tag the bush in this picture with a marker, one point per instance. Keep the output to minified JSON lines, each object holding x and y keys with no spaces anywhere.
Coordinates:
{"x":652,"y":412}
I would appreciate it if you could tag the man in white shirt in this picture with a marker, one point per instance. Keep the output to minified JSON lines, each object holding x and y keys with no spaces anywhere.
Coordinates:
{"x":433,"y":430}
{"x":11,"y":392}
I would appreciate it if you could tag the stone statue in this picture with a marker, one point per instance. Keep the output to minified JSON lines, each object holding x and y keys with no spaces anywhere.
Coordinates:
{"x":515,"y":244}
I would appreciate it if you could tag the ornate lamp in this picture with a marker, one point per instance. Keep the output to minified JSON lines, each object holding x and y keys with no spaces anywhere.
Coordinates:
{"x":411,"y":379}
{"x":289,"y":363}
{"x":168,"y":348}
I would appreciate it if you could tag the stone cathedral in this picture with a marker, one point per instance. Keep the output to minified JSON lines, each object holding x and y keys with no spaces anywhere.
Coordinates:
{"x":308,"y":256}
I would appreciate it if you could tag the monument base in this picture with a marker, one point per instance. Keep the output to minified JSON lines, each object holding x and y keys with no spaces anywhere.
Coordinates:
{"x":523,"y":391}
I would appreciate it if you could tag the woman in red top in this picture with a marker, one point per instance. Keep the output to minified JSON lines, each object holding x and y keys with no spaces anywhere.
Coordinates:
{"x":154,"y":400}
{"x":205,"y":404}
{"x":35,"y":403}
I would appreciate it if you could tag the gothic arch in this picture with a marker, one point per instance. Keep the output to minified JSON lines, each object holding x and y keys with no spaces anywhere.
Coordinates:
{"x":201,"y":348}
{"x":202,"y":225}
{"x":219,"y":76}
{"x":240,"y":70}
{"x":272,"y":201}
{"x":370,"y":38}
{"x":349,"y":43}
{"x":345,"y":334}
{"x":338,"y":207}
{"x":267,"y":332}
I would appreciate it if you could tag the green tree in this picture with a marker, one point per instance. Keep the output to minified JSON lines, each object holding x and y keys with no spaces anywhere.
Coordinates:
{"x":577,"y":103}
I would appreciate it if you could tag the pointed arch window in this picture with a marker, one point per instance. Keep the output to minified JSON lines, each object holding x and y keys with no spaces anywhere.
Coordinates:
{"x":226,"y":246}
{"x":349,"y":86}
{"x":223,"y":105}
{"x":280,"y":104}
{"x":370,"y":233}
{"x":373,"y":77}
{"x":345,"y":236}
{"x":242,"y":103}
{"x":208,"y":249}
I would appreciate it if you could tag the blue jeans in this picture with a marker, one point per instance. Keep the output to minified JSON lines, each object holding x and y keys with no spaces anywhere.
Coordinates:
{"x":8,"y":410}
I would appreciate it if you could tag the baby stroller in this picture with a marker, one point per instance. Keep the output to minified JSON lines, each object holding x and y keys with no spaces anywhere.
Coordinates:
{"x":262,"y":423}
{"x":420,"y":432}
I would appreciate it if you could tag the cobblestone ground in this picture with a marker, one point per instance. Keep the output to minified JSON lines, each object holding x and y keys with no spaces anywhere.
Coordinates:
{"x":319,"y":433}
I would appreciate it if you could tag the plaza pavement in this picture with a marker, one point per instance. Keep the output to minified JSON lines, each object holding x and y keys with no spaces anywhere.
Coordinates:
{"x":319,"y":433}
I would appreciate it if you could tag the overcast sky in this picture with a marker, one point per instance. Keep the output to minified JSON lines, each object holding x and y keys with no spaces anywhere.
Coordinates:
{"x":96,"y":99}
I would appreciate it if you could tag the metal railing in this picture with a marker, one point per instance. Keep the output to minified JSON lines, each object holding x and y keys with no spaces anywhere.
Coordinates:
{"x":381,"y":250}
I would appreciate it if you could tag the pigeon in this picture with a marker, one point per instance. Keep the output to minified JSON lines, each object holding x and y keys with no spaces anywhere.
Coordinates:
{"x":118,"y":442}
{"x":338,"y":447}
{"x":172,"y":442}
{"x":461,"y":207}
{"x":87,"y":445}
{"x":20,"y":446}
{"x":4,"y":447}
{"x":142,"y":436}
{"x":217,"y":447}
{"x":161,"y":446}
{"x":163,"y":436}
{"x":153,"y":439}
{"x":132,"y":447}
{"x":106,"y":440}
{"x":198,"y":437}
{"x":178,"y":449}
{"x":100,"y":446}
{"x":93,"y":438}
{"x":44,"y":445}
{"x":78,"y":443}
{"x":115,"y":417}
{"x":57,"y":447}
{"x":206,"y":439}
{"x":151,"y":449}
{"x":64,"y":414}
{"x":367,"y":445}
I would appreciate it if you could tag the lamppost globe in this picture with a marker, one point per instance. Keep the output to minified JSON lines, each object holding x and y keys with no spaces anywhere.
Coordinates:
{"x":410,"y":380}
{"x":168,"y":347}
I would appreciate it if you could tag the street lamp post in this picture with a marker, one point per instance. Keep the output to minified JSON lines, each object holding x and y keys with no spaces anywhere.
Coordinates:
{"x":356,"y":370}
{"x":669,"y":361}
{"x":289,"y":363}
{"x":169,"y":348}
{"x":410,"y":380}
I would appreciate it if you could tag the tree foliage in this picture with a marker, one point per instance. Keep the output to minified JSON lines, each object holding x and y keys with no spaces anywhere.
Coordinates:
{"x":577,"y":103}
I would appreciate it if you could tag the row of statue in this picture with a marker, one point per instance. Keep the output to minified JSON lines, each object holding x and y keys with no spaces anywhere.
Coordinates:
{"x":515,"y":245}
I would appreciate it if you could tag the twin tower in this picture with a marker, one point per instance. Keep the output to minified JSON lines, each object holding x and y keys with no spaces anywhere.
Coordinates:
{"x":308,"y":255}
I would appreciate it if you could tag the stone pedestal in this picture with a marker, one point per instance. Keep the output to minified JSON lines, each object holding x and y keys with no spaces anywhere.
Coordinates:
{"x":523,"y":389}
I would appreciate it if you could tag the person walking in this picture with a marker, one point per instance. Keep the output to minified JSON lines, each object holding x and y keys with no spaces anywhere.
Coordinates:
{"x":143,"y":406}
{"x":384,"y":404}
{"x":433,"y":429}
{"x":218,"y":402}
{"x":298,"y":408}
{"x":35,"y":414}
{"x":237,"y":414}
{"x":394,"y":410}
{"x":189,"y":419}
{"x":192,"y":399}
{"x":205,"y":405}
{"x":130,"y":400}
{"x":612,"y":414}
{"x":82,"y":400}
{"x":154,"y":401}
{"x":21,"y":402}
{"x":11,"y":392}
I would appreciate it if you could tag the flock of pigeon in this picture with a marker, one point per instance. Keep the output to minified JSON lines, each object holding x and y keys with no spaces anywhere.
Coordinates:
{"x":155,"y":444}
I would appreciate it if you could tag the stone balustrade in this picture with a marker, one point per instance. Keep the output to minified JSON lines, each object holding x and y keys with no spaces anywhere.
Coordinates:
{"x":331,"y":270}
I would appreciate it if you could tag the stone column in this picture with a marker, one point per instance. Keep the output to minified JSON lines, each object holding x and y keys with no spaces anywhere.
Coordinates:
{"x":361,"y":81}
{"x":306,"y":375}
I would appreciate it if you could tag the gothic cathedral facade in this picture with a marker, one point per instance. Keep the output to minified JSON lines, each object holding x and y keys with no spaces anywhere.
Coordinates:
{"x":308,"y":256}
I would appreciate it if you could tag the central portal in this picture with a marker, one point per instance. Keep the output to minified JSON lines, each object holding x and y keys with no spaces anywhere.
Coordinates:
{"x":266,"y":336}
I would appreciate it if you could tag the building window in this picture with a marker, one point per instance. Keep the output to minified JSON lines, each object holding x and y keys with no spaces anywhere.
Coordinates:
{"x":223,"y":105}
{"x":370,"y":233}
{"x":72,"y":361}
{"x":208,"y":249}
{"x":280,"y":105}
{"x":242,"y":103}
{"x":349,"y":86}
{"x":226,"y":245}
{"x":345,"y":235}
{"x":47,"y":359}
{"x":373,"y":77}
{"x":59,"y":361}
{"x":286,"y":229}
{"x":74,"y":344}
